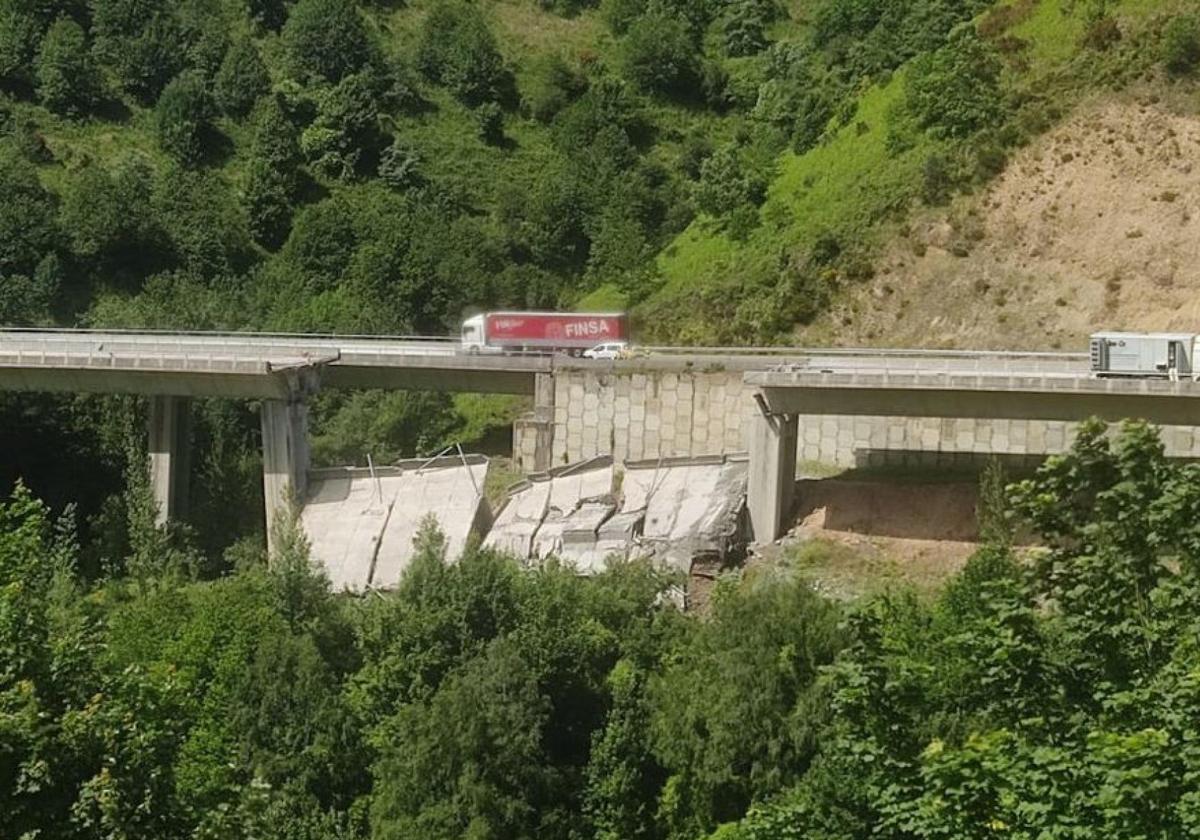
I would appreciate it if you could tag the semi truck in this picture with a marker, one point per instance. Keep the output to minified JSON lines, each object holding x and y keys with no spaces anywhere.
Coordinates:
{"x":548,"y":332}
{"x":1146,"y":355}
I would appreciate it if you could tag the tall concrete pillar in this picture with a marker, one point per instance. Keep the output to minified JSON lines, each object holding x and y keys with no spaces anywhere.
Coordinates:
{"x":169,"y":432}
{"x":285,"y":455}
{"x":533,"y":434}
{"x":772,"y":482}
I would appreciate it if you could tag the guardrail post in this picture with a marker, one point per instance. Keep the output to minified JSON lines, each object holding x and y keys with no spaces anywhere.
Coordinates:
{"x":169,"y":430}
{"x":772,"y":485}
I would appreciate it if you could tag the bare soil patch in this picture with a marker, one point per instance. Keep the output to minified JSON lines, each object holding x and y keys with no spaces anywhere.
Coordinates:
{"x":1094,"y":226}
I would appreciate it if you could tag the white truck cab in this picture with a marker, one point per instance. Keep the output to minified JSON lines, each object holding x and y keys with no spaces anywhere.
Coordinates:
{"x":474,"y":335}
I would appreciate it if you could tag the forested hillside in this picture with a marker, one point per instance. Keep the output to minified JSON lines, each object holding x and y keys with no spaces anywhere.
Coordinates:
{"x":1043,"y":694}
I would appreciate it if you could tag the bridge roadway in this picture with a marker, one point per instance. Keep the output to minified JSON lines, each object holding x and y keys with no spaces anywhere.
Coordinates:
{"x":273,"y":366}
{"x":282,"y":370}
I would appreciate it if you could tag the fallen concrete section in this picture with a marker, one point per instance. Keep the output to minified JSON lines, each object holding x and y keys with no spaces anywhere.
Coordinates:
{"x":678,"y":512}
{"x":694,"y":508}
{"x":361,"y":524}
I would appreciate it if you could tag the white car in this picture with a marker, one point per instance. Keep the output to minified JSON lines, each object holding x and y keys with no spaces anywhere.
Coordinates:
{"x":610,"y":350}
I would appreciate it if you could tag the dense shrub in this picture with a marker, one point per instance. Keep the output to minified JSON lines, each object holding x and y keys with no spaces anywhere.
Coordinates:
{"x":68,"y":81}
{"x":400,"y":166}
{"x":268,"y":14}
{"x":326,"y":40}
{"x":345,"y":139}
{"x":27,"y":219}
{"x":659,"y":56}
{"x":619,"y":14}
{"x":725,"y":185}
{"x":142,"y":41}
{"x":458,"y":50}
{"x":550,"y":86}
{"x":955,"y":91}
{"x":19,"y":33}
{"x":1181,"y":45}
{"x":242,"y":78}
{"x":744,"y":26}
{"x":107,"y":214}
{"x":489,"y":123}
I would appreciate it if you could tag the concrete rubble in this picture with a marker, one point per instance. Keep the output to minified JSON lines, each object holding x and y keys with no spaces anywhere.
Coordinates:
{"x":677,"y":511}
{"x":361,"y":523}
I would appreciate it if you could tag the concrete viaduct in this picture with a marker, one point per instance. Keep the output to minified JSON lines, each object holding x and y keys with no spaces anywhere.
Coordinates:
{"x":846,"y":406}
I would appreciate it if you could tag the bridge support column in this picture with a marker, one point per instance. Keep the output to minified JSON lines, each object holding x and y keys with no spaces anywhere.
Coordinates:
{"x":285,"y":457}
{"x":772,"y":483}
{"x":533,"y":434}
{"x":169,"y":431}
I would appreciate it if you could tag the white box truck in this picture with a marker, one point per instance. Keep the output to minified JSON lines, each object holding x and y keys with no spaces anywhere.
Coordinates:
{"x":1146,"y":355}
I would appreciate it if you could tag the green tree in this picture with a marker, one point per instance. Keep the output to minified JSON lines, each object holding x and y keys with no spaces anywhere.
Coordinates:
{"x":242,"y":78}
{"x":107,"y":216}
{"x":27,"y":216}
{"x":623,"y":778}
{"x":274,"y":175}
{"x":955,"y":91}
{"x":457,"y":49}
{"x":19,"y":33}
{"x":326,"y":40}
{"x":68,"y":81}
{"x":182,"y":119}
{"x":734,"y":719}
{"x":724,"y":185}
{"x":659,"y":56}
{"x":142,"y":41}
{"x":345,"y":139}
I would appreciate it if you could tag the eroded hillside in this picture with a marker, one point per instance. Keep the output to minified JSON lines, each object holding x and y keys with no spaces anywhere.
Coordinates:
{"x":1095,"y":225}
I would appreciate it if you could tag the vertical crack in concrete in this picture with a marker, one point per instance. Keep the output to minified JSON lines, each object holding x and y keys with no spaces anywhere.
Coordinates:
{"x":387,"y":517}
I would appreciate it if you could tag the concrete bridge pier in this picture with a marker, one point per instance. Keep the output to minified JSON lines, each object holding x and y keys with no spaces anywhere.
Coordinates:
{"x":772,"y":481}
{"x":533,"y":434}
{"x":285,"y":456}
{"x":169,"y":426}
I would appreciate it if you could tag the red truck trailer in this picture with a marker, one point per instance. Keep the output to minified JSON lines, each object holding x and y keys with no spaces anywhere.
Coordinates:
{"x":496,"y":332}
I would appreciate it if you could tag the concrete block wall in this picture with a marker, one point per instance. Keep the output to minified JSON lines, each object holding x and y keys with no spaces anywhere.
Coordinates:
{"x":636,"y":416}
{"x":644,"y":415}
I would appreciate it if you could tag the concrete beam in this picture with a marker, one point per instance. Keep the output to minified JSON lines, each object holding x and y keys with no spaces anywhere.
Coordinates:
{"x":285,"y":457}
{"x":1182,"y":409}
{"x":169,"y":433}
{"x":772,"y":480}
{"x":248,"y":382}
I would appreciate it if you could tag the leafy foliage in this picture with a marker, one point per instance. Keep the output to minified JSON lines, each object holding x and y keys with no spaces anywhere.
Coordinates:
{"x":182,"y":119}
{"x":241,"y":80}
{"x":326,"y":40}
{"x":458,"y":50}
{"x":67,"y":80}
{"x":1181,"y":45}
{"x":955,"y":92}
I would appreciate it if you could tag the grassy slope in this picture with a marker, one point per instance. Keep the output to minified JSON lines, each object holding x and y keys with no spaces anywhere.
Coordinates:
{"x":851,"y":184}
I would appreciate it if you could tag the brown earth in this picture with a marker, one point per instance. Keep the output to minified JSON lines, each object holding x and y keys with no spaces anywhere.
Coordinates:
{"x":853,"y":537}
{"x":1096,"y":225}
